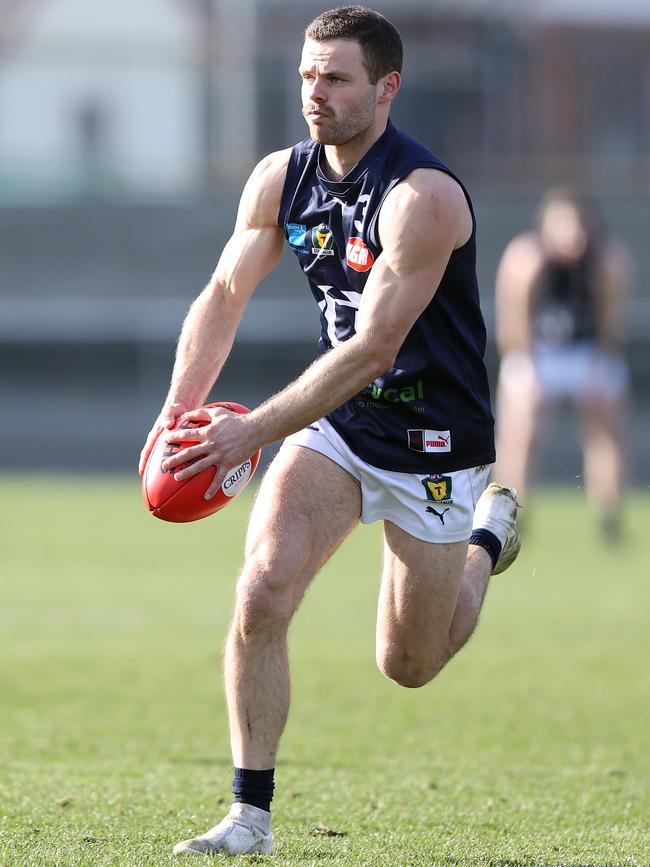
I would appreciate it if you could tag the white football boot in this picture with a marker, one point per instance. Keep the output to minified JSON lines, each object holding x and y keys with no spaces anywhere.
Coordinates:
{"x":496,"y":510}
{"x":245,"y":830}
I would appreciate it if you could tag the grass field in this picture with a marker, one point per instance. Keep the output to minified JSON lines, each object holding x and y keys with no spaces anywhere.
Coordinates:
{"x":532,"y":748}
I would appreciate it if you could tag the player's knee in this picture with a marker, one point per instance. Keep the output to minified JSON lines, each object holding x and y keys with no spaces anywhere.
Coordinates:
{"x":264,"y":599}
{"x":407,"y":670}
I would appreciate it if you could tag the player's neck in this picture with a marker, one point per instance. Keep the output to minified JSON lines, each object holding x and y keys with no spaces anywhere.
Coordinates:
{"x":341,"y":159}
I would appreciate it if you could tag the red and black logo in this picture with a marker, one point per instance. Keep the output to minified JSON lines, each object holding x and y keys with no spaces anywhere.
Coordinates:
{"x":172,"y":449}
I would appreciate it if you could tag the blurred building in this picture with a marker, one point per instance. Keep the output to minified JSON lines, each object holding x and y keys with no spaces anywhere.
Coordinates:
{"x":98,"y":99}
{"x":168,"y":97}
{"x":126,"y":130}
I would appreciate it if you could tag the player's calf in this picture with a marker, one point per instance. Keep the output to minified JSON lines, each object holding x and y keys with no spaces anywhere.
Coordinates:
{"x":409,"y":669}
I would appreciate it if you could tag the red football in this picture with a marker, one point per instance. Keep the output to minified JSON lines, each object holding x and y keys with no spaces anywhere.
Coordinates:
{"x":183,"y":501}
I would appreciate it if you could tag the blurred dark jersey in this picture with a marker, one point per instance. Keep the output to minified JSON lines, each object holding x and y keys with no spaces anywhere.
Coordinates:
{"x":564,"y":303}
{"x":430,"y":413}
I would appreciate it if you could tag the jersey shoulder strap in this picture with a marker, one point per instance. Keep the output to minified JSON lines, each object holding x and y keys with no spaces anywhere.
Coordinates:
{"x":303,"y":157}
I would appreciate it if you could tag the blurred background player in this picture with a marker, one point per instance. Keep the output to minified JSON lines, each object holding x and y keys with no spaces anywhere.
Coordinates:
{"x":560,"y":292}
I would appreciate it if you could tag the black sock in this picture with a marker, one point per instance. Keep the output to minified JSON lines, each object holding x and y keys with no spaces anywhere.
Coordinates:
{"x":253,"y":787}
{"x":488,"y":541}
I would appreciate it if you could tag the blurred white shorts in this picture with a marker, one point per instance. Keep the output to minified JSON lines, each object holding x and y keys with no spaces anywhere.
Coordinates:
{"x":567,"y":372}
{"x":433,"y":508}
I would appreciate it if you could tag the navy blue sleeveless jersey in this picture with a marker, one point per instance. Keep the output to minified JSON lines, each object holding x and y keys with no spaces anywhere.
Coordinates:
{"x":564,"y":303}
{"x":430,"y":413}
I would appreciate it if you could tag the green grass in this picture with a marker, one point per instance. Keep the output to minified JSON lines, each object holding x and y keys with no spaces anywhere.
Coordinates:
{"x":532,"y":747}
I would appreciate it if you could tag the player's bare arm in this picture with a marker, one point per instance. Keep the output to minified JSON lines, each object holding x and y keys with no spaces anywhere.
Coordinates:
{"x":211,"y":323}
{"x":613,"y":289}
{"x":421,"y":222}
{"x":518,"y":270}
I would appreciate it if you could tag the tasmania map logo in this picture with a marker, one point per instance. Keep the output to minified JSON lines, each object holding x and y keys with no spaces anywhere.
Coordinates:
{"x":438,"y":489}
{"x":322,"y":240}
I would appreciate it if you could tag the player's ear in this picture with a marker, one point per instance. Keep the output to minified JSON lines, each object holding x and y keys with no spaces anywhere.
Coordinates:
{"x":389,"y":86}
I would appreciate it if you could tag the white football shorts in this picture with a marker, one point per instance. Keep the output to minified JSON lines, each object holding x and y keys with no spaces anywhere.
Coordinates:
{"x":433,"y":508}
{"x":571,"y":373}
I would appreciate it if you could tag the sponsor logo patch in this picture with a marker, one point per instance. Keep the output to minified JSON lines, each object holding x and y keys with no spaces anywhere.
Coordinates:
{"x":405,"y":394}
{"x":297,"y":234}
{"x":358,"y":256}
{"x":237,"y":479}
{"x":429,"y":440}
{"x":322,"y":240}
{"x":438,"y":489}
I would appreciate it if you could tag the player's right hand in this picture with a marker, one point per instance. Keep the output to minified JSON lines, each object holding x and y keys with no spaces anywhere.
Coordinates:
{"x":166,"y":420}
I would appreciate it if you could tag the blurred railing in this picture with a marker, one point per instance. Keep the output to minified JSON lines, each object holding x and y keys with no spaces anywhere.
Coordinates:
{"x":278,"y":320}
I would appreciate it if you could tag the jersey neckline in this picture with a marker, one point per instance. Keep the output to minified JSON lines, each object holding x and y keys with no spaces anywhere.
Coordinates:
{"x":357,"y":172}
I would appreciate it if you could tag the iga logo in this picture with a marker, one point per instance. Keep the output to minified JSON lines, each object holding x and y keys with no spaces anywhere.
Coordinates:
{"x":322,"y":240}
{"x":358,"y":256}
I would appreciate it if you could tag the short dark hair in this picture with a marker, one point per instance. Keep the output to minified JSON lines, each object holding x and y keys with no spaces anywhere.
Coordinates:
{"x":380,"y":42}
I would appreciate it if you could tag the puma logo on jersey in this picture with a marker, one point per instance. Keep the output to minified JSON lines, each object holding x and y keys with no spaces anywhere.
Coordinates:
{"x":429,"y":440}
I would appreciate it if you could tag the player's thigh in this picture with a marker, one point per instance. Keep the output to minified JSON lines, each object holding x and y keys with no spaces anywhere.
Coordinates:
{"x":602,"y":399}
{"x":520,"y":390}
{"x":305,"y":506}
{"x":602,"y":416}
{"x":419,"y":591}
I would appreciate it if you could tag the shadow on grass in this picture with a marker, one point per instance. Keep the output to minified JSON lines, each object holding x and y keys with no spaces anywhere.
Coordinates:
{"x":514,"y":862}
{"x":200,"y":760}
{"x":227,"y":762}
{"x":311,"y":855}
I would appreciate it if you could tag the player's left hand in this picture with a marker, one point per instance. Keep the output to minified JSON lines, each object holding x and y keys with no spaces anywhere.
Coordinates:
{"x":225,"y":441}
